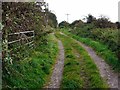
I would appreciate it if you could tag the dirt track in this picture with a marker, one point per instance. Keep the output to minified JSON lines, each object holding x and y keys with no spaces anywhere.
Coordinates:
{"x":58,"y":69}
{"x":110,"y":77}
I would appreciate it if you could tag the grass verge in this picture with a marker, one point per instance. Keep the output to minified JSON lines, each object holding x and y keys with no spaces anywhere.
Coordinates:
{"x":79,"y":69}
{"x":34,"y":71}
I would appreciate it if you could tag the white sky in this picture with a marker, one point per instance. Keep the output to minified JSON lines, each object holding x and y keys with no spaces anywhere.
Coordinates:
{"x":78,"y":9}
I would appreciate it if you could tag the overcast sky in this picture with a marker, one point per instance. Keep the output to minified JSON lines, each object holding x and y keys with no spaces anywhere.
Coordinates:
{"x":78,"y":9}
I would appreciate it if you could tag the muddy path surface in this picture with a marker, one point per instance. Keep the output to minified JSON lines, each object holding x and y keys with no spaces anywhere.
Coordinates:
{"x":58,"y":69}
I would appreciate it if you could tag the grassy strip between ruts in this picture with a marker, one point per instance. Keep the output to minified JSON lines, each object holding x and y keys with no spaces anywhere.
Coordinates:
{"x":79,"y":69}
{"x":34,"y":71}
{"x":100,"y":49}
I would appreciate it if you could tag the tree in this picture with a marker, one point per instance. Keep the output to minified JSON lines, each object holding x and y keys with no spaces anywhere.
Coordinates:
{"x":52,"y":20}
{"x":118,"y":25}
{"x":64,"y":24}
{"x":104,"y":22}
{"x":90,"y":18}
{"x":76,"y":23}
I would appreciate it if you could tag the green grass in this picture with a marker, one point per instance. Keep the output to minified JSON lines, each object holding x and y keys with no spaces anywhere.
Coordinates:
{"x":79,"y":72}
{"x":101,"y":49}
{"x":34,"y":71}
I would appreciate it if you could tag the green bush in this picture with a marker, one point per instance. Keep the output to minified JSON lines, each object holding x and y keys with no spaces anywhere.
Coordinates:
{"x":108,"y":36}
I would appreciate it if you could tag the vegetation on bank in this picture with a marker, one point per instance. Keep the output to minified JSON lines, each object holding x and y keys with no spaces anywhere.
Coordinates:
{"x":24,"y":66}
{"x":22,"y":17}
{"x":79,"y":69}
{"x":35,"y":71}
{"x":101,"y":49}
{"x":99,"y":29}
{"x":108,"y":36}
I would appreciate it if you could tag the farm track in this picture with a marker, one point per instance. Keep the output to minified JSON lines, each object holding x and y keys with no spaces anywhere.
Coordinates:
{"x":110,"y":77}
{"x":105,"y":71}
{"x":58,"y":69}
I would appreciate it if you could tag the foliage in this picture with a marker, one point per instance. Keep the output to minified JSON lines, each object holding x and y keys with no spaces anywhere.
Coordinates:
{"x":1,"y":26}
{"x":107,"y":36}
{"x":102,"y":22}
{"x":76,"y":23}
{"x":52,"y":20}
{"x":90,"y":18}
{"x":26,"y":18}
{"x":63,"y":24}
{"x":19,"y":17}
{"x":84,"y":30}
{"x":118,"y":25}
{"x":101,"y":30}
{"x":23,"y":66}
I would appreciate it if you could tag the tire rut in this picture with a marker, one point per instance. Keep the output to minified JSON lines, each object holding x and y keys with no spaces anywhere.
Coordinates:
{"x":105,"y":71}
{"x":58,"y":69}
